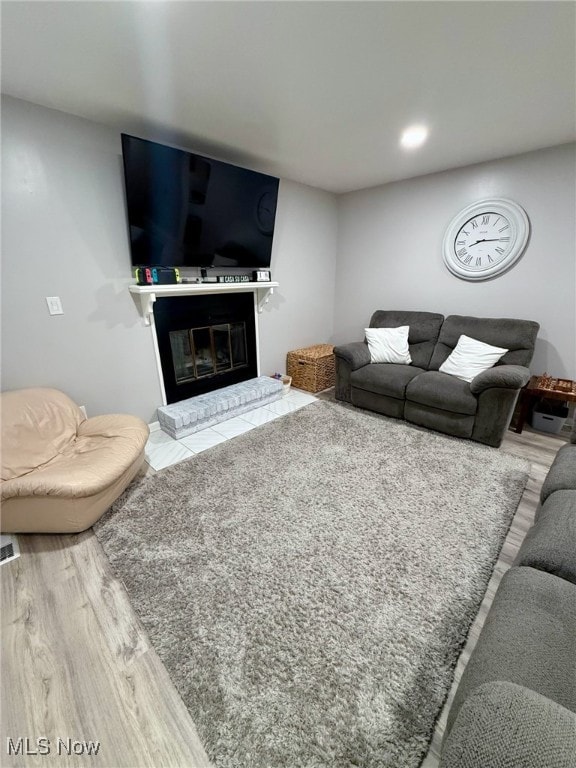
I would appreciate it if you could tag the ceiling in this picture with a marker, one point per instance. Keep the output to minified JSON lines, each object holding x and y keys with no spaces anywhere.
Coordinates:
{"x":317,"y":92}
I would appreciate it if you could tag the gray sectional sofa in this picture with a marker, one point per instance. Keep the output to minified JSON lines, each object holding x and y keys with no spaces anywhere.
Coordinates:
{"x":420,"y":393}
{"x":515,"y":706}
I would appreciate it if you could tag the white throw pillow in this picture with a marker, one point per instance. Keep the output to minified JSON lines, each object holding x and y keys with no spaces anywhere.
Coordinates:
{"x":470,"y":357}
{"x":389,"y":345}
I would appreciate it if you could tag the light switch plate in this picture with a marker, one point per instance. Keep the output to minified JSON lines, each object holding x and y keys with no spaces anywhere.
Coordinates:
{"x":54,"y":305}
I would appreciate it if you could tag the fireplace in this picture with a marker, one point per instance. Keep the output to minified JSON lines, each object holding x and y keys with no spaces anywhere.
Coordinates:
{"x":205,"y":342}
{"x":208,"y":351}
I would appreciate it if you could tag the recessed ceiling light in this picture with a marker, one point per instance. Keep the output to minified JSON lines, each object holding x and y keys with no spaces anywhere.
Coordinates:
{"x":414,"y":136}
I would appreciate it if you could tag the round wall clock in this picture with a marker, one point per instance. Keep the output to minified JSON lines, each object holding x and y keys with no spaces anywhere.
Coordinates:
{"x":485,"y":239}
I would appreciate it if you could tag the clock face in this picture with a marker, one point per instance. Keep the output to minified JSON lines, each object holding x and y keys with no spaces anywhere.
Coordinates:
{"x":485,"y":239}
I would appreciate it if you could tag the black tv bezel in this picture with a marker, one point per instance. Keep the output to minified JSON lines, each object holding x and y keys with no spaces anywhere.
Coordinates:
{"x":271,"y":181}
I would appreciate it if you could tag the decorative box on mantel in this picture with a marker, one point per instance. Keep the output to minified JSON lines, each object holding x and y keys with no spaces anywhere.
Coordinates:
{"x":312,"y":368}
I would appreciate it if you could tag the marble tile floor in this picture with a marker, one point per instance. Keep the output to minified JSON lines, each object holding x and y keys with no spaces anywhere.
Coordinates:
{"x":162,"y":450}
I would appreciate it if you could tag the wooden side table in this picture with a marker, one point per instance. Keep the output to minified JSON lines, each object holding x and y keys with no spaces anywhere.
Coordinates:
{"x":546,"y":387}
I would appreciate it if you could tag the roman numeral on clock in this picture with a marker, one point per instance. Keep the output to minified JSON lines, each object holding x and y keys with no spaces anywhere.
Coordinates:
{"x":485,"y":220}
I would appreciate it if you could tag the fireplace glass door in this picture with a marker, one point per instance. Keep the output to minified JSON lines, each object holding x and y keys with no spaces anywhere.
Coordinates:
{"x":208,"y":351}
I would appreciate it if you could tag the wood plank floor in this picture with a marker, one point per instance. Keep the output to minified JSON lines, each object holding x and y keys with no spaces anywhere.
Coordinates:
{"x":76,"y":663}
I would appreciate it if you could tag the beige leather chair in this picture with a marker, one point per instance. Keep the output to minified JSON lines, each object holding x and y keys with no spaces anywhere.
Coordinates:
{"x":60,"y":470}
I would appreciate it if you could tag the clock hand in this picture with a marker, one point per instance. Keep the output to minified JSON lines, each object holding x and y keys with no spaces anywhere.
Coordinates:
{"x":485,"y":240}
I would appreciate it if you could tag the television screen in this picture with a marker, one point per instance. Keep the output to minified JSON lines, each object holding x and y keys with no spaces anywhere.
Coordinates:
{"x":185,"y":210}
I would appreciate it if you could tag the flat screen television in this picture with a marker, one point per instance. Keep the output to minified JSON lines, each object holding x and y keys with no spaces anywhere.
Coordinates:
{"x":185,"y":210}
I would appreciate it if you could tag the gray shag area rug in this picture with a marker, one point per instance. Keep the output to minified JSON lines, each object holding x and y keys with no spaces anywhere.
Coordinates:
{"x":310,"y":584}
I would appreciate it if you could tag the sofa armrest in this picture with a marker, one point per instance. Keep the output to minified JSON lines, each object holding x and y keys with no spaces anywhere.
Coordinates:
{"x":502,"y":724}
{"x":356,"y":354}
{"x":349,"y":357}
{"x":549,"y":544}
{"x":501,"y":376}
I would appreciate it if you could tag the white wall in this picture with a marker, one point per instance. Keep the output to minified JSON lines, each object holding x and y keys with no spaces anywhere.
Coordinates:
{"x":390,"y":251}
{"x":300,"y":312}
{"x":64,"y":234}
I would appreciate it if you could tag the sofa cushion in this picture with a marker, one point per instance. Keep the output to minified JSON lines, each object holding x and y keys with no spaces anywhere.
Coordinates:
{"x":550,"y":544}
{"x":385,"y":379}
{"x":388,"y":345}
{"x":105,"y":447}
{"x":528,"y":638}
{"x":424,"y":330}
{"x":562,"y":473}
{"x":517,"y":336}
{"x":502,"y":725}
{"x":471,"y":357}
{"x":64,"y":514}
{"x":440,"y":390}
{"x":37,"y":425}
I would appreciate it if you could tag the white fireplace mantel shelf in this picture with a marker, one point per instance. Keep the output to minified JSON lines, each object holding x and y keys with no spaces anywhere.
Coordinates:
{"x":146,"y":294}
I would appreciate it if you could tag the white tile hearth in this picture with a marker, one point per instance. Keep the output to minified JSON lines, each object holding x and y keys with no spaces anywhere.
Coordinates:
{"x":162,"y":450}
{"x":282,"y":407}
{"x":201,"y":441}
{"x":302,"y":398}
{"x":233,"y":427}
{"x":260,"y":416}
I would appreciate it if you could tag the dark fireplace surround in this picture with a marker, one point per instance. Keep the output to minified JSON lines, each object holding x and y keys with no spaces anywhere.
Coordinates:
{"x":205,"y":342}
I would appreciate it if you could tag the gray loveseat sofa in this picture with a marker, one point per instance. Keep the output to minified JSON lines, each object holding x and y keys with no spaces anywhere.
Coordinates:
{"x":515,"y":706}
{"x":480,"y":410}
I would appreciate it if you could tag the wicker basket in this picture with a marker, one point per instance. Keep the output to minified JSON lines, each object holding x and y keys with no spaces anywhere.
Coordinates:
{"x":312,"y":368}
